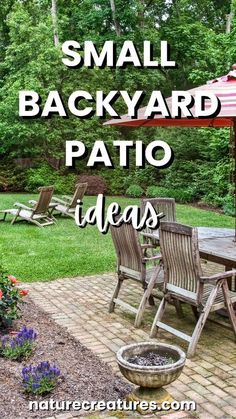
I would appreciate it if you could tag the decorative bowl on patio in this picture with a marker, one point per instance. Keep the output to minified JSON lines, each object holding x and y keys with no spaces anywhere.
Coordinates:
{"x":151,"y":378}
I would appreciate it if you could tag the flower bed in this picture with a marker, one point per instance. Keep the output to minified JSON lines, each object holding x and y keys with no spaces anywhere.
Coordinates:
{"x":10,"y":299}
{"x":83,"y":376}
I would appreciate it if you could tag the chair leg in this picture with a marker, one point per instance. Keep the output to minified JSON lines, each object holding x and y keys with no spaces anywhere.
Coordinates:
{"x":36,"y":223}
{"x":178,"y":308}
{"x":229,"y":306}
{"x":151,"y":300}
{"x":158,"y":317}
{"x":195,"y":312}
{"x":142,"y":305}
{"x":146,"y":297}
{"x":4,"y":217}
{"x":115,"y":294}
{"x":14,"y":219}
{"x":201,"y":322}
{"x":51,"y":217}
{"x":50,"y":212}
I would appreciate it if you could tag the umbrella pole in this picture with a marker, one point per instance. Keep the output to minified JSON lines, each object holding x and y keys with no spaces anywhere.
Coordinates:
{"x":234,"y":176}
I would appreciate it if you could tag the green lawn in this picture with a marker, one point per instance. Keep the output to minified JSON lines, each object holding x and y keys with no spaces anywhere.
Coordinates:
{"x":64,"y":250}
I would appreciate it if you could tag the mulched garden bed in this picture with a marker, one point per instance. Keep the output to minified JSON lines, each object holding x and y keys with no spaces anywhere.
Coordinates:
{"x":85,"y":376}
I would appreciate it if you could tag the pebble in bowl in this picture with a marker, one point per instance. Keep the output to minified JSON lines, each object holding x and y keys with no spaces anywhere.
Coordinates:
{"x":151,"y":376}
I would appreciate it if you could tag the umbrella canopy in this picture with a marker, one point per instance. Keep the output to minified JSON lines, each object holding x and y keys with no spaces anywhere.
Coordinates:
{"x":223,"y":87}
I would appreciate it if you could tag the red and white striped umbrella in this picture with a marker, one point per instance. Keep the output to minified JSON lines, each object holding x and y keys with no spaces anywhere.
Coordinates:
{"x":223,"y":87}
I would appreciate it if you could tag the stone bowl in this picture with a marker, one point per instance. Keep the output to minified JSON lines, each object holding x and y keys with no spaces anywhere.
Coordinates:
{"x":151,"y":376}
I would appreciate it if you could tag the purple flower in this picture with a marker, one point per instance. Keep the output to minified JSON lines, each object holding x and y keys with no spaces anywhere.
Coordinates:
{"x":4,"y":341}
{"x":20,"y":345}
{"x":35,"y":386}
{"x":25,"y":335}
{"x":41,"y":378}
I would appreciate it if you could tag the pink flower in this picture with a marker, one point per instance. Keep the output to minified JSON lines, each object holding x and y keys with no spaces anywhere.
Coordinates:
{"x":24,"y":292}
{"x":1,"y":294}
{"x":13,"y":279}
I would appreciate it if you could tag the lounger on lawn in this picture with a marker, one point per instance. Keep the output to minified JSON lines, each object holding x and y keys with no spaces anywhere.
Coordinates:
{"x":67,"y":205}
{"x":39,"y":214}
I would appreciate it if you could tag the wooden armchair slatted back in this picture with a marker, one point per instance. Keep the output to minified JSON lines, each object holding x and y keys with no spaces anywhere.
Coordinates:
{"x":45,"y":196}
{"x":161,"y":205}
{"x":181,"y":260}
{"x":128,"y":248}
{"x":132,"y":265}
{"x":79,"y":194}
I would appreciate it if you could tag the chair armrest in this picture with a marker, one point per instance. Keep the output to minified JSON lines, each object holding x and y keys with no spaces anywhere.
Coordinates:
{"x":67,"y":197}
{"x":147,"y":246}
{"x":152,"y":236}
{"x":18,"y":204}
{"x":217,"y":277}
{"x":60,"y":201}
{"x":51,"y":205}
{"x":156,"y":257}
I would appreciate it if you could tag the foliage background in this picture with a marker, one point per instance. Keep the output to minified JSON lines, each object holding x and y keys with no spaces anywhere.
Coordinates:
{"x":202,"y":38}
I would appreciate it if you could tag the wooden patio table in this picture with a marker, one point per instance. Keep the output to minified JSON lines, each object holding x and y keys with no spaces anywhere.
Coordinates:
{"x":216,"y":245}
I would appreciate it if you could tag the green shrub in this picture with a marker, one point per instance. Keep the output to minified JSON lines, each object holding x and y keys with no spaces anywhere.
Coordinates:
{"x":65,"y":184}
{"x":143,"y":177}
{"x":157,"y":192}
{"x":228,"y":205}
{"x":116,"y":186}
{"x":3,"y":184}
{"x":135,"y":191}
{"x":114,"y":180}
{"x":212,"y":200}
{"x":226,"y":202}
{"x":44,"y":175}
{"x":12,"y":178}
{"x":180,"y":195}
{"x":118,"y":179}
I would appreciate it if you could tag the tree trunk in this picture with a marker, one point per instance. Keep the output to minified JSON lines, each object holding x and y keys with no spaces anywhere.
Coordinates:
{"x":115,"y":21}
{"x":54,"y":22}
{"x":141,"y":13}
{"x":230,"y":17}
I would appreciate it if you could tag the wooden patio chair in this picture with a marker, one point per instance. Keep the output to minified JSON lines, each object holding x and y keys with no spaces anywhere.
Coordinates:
{"x":39,"y":213}
{"x":67,"y":205}
{"x":183,"y":280}
{"x":168,"y":208}
{"x":161,"y":205}
{"x":132,"y":264}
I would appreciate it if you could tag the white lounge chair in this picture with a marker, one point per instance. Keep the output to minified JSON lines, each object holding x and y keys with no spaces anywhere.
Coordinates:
{"x":39,"y":214}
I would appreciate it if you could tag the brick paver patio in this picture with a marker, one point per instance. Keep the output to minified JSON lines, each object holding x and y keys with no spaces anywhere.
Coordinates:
{"x":81,"y":305}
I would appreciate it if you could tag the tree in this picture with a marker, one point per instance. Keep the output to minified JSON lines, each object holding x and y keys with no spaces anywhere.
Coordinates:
{"x":54,"y":22}
{"x":116,"y":23}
